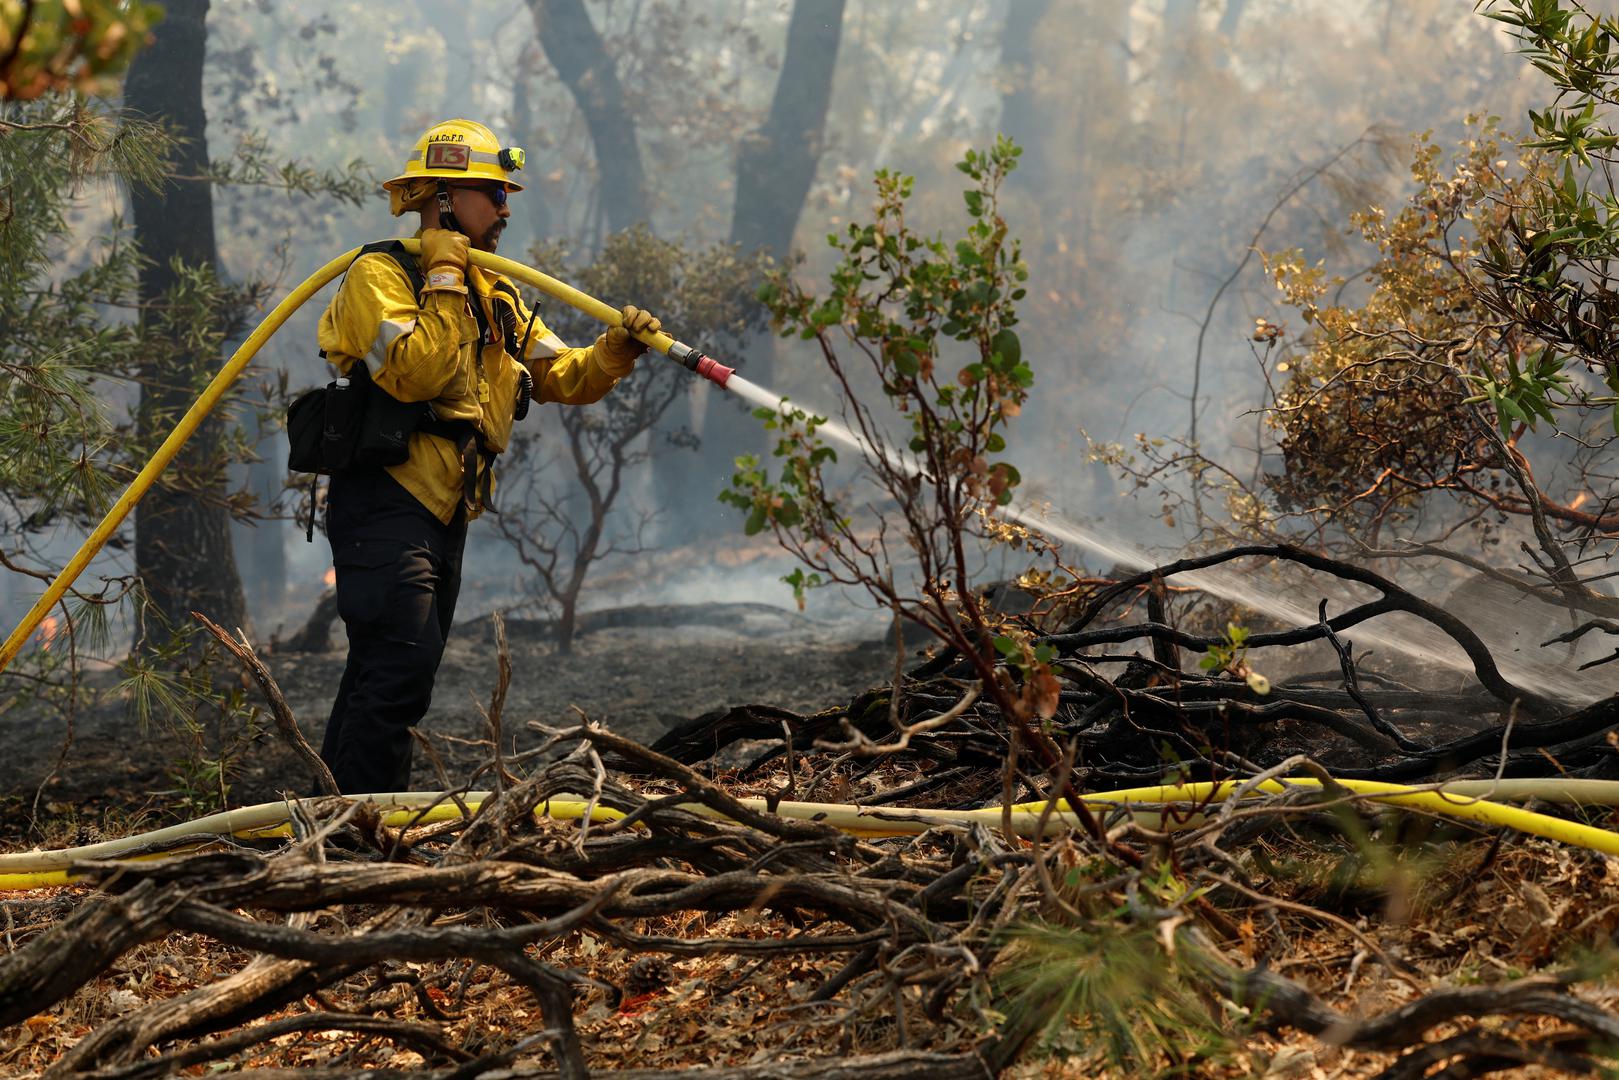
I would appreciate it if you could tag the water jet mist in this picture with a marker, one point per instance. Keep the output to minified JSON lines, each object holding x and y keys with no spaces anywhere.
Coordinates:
{"x":1544,"y":672}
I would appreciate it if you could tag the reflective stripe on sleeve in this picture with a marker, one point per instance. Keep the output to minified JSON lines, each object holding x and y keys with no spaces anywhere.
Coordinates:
{"x":389,"y":332}
{"x":548,"y":347}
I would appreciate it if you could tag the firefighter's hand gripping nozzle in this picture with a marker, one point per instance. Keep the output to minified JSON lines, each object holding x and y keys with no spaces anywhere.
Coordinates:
{"x":693,"y":360}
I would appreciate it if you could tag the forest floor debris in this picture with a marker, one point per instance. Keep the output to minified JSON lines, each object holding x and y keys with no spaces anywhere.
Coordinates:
{"x":1312,"y":934}
{"x":1456,"y":912}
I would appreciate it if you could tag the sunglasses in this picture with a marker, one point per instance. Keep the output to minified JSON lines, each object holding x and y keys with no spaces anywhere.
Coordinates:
{"x":497,"y":195}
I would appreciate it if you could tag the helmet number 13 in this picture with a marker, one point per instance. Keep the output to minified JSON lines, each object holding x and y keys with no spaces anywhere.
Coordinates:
{"x":448,"y":155}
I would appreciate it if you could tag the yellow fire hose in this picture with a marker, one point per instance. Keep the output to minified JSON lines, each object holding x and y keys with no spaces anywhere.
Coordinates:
{"x":1464,"y":799}
{"x":210,"y":397}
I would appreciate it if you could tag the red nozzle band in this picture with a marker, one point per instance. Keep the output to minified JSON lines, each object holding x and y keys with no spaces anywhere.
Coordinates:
{"x":713,"y":370}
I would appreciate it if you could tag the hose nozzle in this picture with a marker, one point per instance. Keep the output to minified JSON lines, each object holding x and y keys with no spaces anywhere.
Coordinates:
{"x":693,"y":360}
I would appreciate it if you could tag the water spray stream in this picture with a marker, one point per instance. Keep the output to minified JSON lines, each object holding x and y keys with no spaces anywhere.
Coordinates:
{"x":1421,"y":641}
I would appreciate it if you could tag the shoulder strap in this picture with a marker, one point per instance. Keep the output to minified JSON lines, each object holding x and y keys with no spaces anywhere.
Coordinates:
{"x":407,"y":262}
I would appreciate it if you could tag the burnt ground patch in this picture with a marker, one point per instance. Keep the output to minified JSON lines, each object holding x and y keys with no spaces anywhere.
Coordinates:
{"x":641,"y":670}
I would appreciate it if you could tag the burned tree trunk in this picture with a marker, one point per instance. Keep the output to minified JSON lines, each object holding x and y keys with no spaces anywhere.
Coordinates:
{"x":183,"y":551}
{"x":776,"y":164}
{"x":316,"y":633}
{"x":575,"y":48}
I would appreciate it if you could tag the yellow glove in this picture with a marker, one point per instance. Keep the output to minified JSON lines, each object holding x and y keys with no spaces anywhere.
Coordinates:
{"x":620,"y":347}
{"x":444,"y":259}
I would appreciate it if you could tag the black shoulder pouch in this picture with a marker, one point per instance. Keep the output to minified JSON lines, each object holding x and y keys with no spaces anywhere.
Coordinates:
{"x":384,"y":431}
{"x":348,"y":402}
{"x":325,"y":425}
{"x":306,"y":420}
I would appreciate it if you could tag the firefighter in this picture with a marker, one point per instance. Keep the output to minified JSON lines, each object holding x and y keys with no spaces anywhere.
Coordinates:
{"x":467,"y":345}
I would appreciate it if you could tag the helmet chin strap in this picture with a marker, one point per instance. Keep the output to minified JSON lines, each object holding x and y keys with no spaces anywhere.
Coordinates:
{"x":446,"y":216}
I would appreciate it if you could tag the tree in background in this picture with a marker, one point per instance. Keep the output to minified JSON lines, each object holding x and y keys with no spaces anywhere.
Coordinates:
{"x":183,"y":552}
{"x":557,"y":535}
{"x":1456,"y":398}
{"x":59,"y":354}
{"x":65,"y":443}
{"x":92,"y":330}
{"x":776,"y":163}
{"x":262,"y":201}
{"x":576,"y":50}
{"x":614,"y":86}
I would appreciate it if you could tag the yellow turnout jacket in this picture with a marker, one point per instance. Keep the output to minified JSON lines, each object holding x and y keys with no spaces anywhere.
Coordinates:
{"x":428,"y":349}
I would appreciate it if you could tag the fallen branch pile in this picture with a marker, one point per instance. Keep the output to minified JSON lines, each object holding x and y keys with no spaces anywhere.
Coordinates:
{"x":357,"y":923}
{"x":1124,"y":729}
{"x":501,"y":889}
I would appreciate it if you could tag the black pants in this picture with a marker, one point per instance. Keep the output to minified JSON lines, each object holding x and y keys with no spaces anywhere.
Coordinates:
{"x":398,"y":574}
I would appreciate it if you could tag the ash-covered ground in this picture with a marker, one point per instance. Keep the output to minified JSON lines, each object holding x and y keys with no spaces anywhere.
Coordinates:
{"x":650,"y":669}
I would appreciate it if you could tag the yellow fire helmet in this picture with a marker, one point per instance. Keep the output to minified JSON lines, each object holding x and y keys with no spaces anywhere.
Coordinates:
{"x":461,"y":150}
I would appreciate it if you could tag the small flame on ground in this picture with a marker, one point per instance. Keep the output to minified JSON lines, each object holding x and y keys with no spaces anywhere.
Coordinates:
{"x":47,"y":630}
{"x":330,"y":577}
{"x":1579,"y":500}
